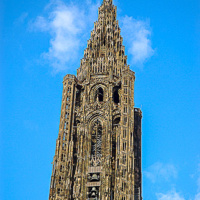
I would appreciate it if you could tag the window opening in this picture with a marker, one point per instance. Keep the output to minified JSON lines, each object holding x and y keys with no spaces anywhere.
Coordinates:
{"x":125,"y":82}
{"x":78,"y":96}
{"x":124,"y":133}
{"x":65,"y":126}
{"x":125,"y":109}
{"x":58,"y":191}
{"x":99,"y":94}
{"x":60,"y":179}
{"x":116,"y":121}
{"x":123,"y":173}
{"x":124,"y":146}
{"x":124,"y":159}
{"x":115,"y":127}
{"x":116,"y":94}
{"x":117,"y":163}
{"x":125,"y":91}
{"x":118,"y":145}
{"x":125,"y":120}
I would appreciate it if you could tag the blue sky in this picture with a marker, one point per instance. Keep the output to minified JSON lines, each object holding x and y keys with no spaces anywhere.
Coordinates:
{"x":162,"y":40}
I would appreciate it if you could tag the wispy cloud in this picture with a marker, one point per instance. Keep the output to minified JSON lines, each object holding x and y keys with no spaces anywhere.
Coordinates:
{"x":172,"y":195}
{"x":197,"y":197}
{"x":138,"y":36}
{"x":159,"y":171}
{"x":196,"y":176}
{"x":66,"y":25}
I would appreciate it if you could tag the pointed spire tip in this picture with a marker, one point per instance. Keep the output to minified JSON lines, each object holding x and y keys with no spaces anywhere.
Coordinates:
{"x":107,"y":1}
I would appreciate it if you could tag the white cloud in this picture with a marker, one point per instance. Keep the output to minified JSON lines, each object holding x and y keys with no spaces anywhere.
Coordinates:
{"x":66,"y":24}
{"x":137,"y":36}
{"x":159,"y":171}
{"x":197,"y":197}
{"x":173,"y":195}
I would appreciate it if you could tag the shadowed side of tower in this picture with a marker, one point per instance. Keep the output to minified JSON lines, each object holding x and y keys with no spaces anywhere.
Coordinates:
{"x":98,"y":150}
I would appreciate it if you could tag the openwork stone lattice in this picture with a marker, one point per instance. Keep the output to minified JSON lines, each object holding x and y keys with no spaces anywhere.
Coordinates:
{"x":98,"y":150}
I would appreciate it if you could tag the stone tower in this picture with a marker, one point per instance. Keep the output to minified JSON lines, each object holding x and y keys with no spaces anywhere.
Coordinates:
{"x":98,"y":150}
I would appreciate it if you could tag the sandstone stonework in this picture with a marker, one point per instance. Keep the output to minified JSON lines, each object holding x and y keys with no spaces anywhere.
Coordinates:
{"x":98,"y":150}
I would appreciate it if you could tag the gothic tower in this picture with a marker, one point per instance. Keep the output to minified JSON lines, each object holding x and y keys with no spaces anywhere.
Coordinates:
{"x":98,"y":150}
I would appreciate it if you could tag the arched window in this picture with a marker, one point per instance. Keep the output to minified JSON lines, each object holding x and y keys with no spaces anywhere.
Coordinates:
{"x":96,"y":139}
{"x":116,"y":94}
{"x":99,"y":94}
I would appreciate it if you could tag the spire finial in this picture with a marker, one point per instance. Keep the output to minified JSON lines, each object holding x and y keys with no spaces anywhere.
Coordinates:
{"x":107,"y":1}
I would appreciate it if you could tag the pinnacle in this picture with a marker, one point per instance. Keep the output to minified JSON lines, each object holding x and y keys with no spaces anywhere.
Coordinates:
{"x":105,"y":52}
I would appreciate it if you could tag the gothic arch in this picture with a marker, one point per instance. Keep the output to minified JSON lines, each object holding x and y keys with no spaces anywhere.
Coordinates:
{"x":97,"y":89}
{"x":93,"y":115}
{"x":116,"y":119}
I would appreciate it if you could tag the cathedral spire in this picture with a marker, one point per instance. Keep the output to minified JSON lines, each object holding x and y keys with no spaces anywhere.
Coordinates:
{"x":105,"y":52}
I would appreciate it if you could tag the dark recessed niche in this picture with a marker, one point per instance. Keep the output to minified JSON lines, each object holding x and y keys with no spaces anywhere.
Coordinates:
{"x":116,"y":94}
{"x":99,"y":94}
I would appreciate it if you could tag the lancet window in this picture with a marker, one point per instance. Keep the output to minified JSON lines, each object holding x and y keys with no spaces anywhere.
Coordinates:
{"x":96,"y":139}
